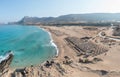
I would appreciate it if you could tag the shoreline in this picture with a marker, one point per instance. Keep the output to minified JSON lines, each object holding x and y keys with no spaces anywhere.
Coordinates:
{"x":52,"y":41}
{"x":60,"y":68}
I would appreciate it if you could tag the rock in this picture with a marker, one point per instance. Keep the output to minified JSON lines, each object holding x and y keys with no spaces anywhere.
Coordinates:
{"x":18,"y":74}
{"x":101,"y":72}
{"x":67,"y":60}
{"x":66,"y":57}
{"x":97,"y":59}
{"x":49,"y":63}
{"x":5,"y":62}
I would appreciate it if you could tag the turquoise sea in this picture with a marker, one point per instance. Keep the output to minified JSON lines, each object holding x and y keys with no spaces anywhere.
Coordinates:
{"x":31,"y":45}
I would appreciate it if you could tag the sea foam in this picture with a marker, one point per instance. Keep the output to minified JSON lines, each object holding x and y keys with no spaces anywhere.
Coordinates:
{"x":52,"y":41}
{"x":2,"y":58}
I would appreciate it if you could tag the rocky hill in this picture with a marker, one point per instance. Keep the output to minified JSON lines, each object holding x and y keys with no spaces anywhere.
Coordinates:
{"x":73,"y":19}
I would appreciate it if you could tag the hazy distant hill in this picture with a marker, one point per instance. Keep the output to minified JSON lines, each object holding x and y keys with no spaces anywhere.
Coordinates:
{"x":73,"y":18}
{"x":1,"y":23}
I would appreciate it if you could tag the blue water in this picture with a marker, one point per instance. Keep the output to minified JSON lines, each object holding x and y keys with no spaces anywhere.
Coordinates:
{"x":30,"y":44}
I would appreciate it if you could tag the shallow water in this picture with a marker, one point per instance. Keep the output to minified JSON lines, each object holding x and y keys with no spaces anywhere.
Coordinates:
{"x":30,"y":44}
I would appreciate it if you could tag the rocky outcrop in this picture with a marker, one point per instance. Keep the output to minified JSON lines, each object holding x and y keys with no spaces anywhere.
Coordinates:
{"x":5,"y":62}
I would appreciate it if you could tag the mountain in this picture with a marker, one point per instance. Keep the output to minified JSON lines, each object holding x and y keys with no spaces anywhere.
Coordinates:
{"x":73,"y":18}
{"x":1,"y":23}
{"x":35,"y":20}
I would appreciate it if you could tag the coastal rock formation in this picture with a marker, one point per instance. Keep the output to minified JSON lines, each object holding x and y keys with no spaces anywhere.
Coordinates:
{"x":5,"y":62}
{"x":58,"y":70}
{"x":45,"y":70}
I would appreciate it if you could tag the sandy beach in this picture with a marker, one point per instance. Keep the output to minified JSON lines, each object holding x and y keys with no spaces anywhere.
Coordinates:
{"x":67,"y":63}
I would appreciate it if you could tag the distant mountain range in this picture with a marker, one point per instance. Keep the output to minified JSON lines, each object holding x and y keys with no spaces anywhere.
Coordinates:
{"x":1,"y":23}
{"x":73,"y":19}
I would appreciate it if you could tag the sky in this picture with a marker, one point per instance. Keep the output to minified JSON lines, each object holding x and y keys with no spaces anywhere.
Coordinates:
{"x":14,"y":10}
